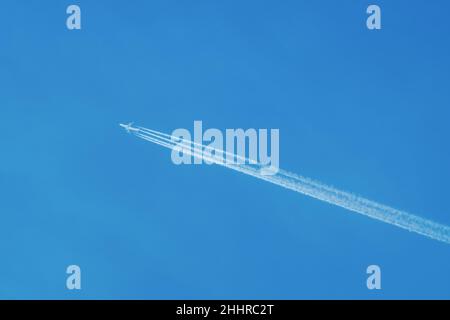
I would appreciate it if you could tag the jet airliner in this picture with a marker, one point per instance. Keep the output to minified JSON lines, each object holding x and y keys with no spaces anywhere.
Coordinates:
{"x":129,"y":127}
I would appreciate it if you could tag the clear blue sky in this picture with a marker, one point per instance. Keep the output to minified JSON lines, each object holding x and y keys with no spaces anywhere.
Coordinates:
{"x":364,"y":111}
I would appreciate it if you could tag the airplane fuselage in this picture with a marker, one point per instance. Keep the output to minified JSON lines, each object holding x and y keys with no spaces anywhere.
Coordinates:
{"x":128,"y":127}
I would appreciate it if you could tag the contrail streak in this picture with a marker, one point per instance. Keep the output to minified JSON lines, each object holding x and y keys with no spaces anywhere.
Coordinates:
{"x":306,"y":186}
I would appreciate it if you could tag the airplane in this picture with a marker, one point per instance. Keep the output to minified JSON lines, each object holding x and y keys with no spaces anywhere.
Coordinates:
{"x":129,"y":127}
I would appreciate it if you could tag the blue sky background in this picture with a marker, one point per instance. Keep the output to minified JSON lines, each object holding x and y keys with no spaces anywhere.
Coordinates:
{"x":364,"y":111}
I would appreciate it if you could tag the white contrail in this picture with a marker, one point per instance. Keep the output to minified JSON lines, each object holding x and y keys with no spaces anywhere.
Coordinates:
{"x":308,"y":187}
